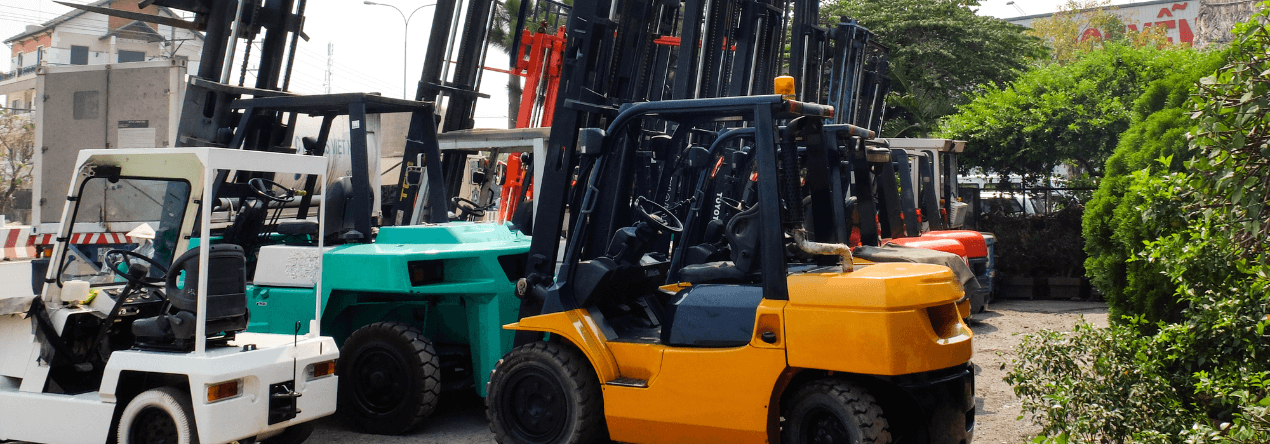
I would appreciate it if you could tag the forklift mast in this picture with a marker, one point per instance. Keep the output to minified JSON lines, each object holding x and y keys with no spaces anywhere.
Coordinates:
{"x":701,"y":49}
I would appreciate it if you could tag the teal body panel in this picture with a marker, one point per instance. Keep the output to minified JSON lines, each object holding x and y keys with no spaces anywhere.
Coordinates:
{"x":367,"y":283}
{"x":277,"y":309}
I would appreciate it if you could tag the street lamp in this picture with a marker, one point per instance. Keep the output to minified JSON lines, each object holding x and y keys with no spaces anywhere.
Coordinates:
{"x":405,"y":39}
{"x":1010,"y":3}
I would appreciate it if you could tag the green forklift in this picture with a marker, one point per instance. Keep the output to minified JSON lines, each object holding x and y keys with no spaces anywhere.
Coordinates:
{"x":417,"y":309}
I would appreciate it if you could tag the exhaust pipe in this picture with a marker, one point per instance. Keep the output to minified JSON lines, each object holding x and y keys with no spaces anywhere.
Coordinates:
{"x":841,"y":250}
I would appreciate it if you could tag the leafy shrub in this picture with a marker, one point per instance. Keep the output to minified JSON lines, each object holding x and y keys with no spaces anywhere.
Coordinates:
{"x":1114,"y":225}
{"x":1203,"y":376}
{"x":1199,"y":379}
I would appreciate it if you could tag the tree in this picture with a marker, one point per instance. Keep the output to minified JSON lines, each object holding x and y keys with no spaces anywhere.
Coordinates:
{"x":1058,"y":113}
{"x":501,"y":36}
{"x":940,"y":51}
{"x":17,"y":145}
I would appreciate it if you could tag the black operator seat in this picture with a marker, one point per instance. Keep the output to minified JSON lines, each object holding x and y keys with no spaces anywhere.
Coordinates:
{"x":335,"y":203}
{"x":226,"y":298}
{"x":742,"y":236}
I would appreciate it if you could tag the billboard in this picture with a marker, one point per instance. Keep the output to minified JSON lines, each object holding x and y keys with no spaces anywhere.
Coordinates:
{"x":1177,"y":18}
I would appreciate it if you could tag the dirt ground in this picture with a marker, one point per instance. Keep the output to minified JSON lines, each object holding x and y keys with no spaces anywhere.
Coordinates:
{"x":997,"y":332}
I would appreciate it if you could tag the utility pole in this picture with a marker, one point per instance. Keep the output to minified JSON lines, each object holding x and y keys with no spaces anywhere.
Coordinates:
{"x":330,"y":58}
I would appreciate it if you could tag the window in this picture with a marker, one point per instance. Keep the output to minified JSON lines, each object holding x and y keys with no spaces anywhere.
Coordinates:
{"x":79,"y":55}
{"x":114,"y":200}
{"x":131,"y":56}
{"x":19,"y":64}
{"x":39,"y":54}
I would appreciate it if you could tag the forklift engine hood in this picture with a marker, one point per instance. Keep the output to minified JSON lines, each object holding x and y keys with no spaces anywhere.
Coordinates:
{"x":882,"y":319}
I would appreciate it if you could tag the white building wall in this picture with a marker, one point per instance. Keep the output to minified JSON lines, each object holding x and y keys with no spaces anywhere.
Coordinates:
{"x":1178,"y":18}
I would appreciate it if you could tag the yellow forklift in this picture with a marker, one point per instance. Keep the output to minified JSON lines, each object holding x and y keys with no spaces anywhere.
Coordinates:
{"x":696,"y":303}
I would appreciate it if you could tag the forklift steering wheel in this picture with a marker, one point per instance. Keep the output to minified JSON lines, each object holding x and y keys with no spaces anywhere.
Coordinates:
{"x":468,"y":208}
{"x":264,"y":188}
{"x":733,"y":204}
{"x":128,"y":277}
{"x":657,"y":216}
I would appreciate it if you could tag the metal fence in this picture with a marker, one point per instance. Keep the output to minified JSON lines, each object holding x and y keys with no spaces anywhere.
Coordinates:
{"x":1020,"y":202}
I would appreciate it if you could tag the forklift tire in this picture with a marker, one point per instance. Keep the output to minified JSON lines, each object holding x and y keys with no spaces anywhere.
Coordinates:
{"x":390,"y":378}
{"x":161,"y":415}
{"x":295,"y":434}
{"x":833,"y":410}
{"x":543,"y":392}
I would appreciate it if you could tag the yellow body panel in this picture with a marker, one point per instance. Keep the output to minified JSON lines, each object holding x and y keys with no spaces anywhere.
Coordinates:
{"x":693,"y":394}
{"x":884,"y":319}
{"x":580,"y":329}
{"x":637,"y":360}
{"x":964,"y":308}
{"x":700,"y":395}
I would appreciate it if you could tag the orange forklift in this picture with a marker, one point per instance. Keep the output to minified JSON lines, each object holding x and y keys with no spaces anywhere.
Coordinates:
{"x":674,"y":319}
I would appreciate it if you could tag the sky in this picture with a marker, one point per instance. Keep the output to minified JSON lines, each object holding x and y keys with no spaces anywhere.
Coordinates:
{"x":368,"y":44}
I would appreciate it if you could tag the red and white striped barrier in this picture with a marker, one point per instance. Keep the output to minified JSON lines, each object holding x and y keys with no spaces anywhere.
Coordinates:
{"x":85,"y":239}
{"x":19,"y":243}
{"x":16,"y":243}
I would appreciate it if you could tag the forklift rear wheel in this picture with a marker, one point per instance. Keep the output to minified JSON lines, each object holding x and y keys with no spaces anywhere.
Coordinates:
{"x":161,"y":415}
{"x":834,"y":411}
{"x":390,"y":378}
{"x":544,"y":392}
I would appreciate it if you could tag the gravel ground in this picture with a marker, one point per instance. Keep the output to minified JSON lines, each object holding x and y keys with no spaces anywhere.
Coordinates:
{"x":462,"y":419}
{"x":997,"y":332}
{"x":458,"y":419}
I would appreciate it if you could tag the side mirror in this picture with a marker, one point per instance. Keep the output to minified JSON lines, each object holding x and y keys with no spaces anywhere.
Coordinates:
{"x":591,"y":142}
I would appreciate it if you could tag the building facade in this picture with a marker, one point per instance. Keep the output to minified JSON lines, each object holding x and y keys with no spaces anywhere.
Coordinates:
{"x":88,"y":38}
{"x":1198,"y":23}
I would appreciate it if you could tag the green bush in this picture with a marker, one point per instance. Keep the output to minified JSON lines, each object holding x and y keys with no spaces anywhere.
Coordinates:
{"x":1200,"y":379}
{"x":1203,"y":375}
{"x":1114,"y":227}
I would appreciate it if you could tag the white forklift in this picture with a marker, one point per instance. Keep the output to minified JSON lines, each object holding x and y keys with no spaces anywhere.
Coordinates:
{"x":133,"y":346}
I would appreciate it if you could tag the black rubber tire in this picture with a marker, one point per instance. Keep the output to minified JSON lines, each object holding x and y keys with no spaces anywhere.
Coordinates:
{"x":834,"y":411}
{"x":390,"y":378}
{"x":546,"y":382}
{"x":161,"y":415}
{"x":295,"y":434}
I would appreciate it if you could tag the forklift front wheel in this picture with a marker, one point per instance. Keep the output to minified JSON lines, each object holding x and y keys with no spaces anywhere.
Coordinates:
{"x":390,"y":378}
{"x":543,"y":392}
{"x":161,"y":415}
{"x":832,"y":410}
